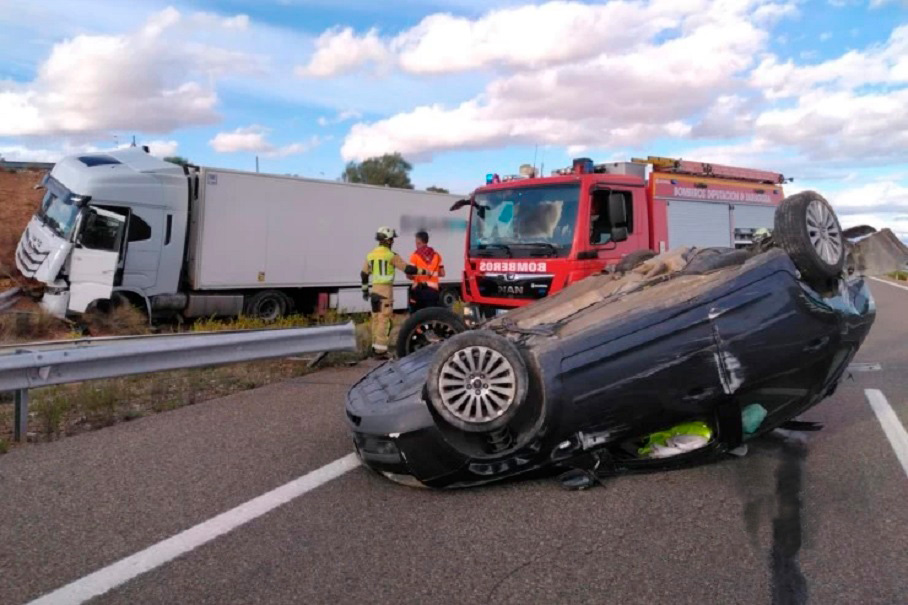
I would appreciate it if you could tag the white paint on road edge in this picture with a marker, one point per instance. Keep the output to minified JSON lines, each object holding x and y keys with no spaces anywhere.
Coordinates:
{"x":894,"y":430}
{"x":167,"y":550}
{"x":891,"y":283}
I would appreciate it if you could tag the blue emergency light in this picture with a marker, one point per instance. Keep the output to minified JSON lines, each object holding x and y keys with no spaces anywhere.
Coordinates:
{"x":492,"y":178}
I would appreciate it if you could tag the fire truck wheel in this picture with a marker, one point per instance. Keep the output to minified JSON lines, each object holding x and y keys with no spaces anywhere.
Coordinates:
{"x":427,"y":326}
{"x":807,"y":229}
{"x":478,"y":381}
{"x":633,"y":259}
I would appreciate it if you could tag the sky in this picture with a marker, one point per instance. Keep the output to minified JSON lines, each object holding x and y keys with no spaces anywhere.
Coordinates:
{"x":814,"y":89}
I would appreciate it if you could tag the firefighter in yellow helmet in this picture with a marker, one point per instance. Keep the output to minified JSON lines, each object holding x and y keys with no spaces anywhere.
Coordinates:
{"x":380,"y":265}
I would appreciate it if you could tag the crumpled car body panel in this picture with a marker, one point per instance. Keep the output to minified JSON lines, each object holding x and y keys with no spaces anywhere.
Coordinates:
{"x":612,"y":362}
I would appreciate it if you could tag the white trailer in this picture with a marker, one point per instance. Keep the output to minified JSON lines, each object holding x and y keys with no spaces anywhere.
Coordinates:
{"x":208,"y":241}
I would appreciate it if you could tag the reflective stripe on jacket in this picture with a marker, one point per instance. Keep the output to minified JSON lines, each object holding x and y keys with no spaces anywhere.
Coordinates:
{"x":381,"y":263}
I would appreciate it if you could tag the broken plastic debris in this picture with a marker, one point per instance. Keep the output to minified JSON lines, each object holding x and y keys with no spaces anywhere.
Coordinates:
{"x":752,"y":417}
{"x":684,"y":437}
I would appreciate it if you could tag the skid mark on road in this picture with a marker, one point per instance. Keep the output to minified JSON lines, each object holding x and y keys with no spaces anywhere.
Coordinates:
{"x":893,"y":429}
{"x":167,"y":550}
{"x":789,"y":586}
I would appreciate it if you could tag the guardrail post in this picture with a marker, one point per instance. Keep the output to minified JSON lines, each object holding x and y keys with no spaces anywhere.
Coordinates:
{"x":20,"y":428}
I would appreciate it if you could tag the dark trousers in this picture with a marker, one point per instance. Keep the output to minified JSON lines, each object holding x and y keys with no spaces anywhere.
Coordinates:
{"x":422,"y":296}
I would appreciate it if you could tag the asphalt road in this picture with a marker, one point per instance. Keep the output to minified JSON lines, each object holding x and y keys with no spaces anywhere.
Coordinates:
{"x":809,"y":517}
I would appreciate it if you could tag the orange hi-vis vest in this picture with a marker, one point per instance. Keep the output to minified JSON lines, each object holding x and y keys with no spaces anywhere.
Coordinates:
{"x":417,"y":261}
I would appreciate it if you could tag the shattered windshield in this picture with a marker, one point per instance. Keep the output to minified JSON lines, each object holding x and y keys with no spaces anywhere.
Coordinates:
{"x":539,"y":218}
{"x":57,"y":210}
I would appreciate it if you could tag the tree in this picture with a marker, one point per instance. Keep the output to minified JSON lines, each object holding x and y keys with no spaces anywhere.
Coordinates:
{"x":390,"y":169}
{"x":435,"y":189}
{"x":176,"y":159}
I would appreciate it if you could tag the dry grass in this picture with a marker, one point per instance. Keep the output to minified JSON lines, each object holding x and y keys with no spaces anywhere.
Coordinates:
{"x":121,"y":320}
{"x":899,"y":275}
{"x":24,"y":326}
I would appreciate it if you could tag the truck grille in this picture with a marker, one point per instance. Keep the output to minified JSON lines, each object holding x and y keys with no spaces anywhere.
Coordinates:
{"x":28,"y":257}
{"x":514,"y":286}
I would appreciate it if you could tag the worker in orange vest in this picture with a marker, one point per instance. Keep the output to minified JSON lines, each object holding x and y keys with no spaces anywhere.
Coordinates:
{"x":424,"y":292}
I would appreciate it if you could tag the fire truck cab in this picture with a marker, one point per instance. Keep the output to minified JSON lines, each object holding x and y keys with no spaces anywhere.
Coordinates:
{"x":530,"y":236}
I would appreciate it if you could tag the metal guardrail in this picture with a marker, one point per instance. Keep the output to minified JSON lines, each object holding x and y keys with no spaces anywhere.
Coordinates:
{"x":28,"y":366}
{"x":8,"y":298}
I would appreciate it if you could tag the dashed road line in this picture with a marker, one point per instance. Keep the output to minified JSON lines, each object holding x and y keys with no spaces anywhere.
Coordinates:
{"x":154,"y":556}
{"x":895,"y":432}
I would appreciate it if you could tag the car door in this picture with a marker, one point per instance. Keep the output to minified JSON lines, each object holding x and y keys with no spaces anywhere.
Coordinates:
{"x":95,"y":258}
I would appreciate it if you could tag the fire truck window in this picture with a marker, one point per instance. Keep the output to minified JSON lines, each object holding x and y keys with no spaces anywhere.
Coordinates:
{"x":601,"y":224}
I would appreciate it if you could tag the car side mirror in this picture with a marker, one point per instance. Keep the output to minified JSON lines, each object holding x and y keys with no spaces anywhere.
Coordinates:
{"x":617,"y":212}
{"x":619,"y":234}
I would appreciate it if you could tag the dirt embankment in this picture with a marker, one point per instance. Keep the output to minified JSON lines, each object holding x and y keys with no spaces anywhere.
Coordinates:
{"x":18,"y":201}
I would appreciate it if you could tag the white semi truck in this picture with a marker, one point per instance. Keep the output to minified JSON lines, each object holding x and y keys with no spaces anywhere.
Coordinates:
{"x":125,"y":225}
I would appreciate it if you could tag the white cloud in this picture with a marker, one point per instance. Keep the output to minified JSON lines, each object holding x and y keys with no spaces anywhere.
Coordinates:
{"x":162,"y":149}
{"x":341,"y":50}
{"x":342,"y":116}
{"x":881,"y":64}
{"x":867,"y":128}
{"x":155,"y":79}
{"x":530,"y":36}
{"x":682,"y":57}
{"x":253,"y":139}
{"x":874,"y":197}
{"x":23,"y":153}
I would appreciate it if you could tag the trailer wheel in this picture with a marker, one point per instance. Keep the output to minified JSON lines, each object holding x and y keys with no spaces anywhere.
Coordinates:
{"x":808,"y":230}
{"x":448,"y":297}
{"x":477,"y":381}
{"x":268,"y":305}
{"x":427,"y":326}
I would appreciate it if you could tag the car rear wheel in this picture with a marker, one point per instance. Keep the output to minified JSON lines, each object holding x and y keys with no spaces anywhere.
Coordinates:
{"x":477,"y":381}
{"x":807,"y":228}
{"x":427,"y":326}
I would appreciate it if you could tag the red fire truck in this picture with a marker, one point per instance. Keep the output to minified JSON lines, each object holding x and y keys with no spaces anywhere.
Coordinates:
{"x":529,"y":236}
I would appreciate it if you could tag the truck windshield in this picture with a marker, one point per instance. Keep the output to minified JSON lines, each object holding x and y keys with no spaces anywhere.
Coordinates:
{"x":524,"y":221}
{"x":58,"y":211}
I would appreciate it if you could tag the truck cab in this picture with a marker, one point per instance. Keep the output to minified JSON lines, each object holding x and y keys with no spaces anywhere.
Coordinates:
{"x":96,"y":207}
{"x":530,"y":236}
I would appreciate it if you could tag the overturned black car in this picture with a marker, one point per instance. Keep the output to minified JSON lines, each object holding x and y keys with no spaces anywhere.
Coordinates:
{"x":680,"y":360}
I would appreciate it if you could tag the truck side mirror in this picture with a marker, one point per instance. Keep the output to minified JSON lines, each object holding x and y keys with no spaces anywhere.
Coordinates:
{"x":619,"y":234}
{"x":460,"y":204}
{"x":617,"y":212}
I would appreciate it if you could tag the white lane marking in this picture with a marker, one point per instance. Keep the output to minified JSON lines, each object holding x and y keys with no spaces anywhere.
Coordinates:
{"x":895,"y":432}
{"x":864,"y":367}
{"x":122,"y":571}
{"x":891,"y":283}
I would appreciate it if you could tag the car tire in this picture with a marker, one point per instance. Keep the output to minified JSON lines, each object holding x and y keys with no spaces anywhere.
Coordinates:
{"x":477,"y":381}
{"x":426,"y":327}
{"x":807,"y":229}
{"x":633,"y":259}
{"x":268,"y":305}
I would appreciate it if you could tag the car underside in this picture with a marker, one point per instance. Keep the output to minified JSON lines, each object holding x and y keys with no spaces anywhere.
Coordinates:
{"x":677,"y":361}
